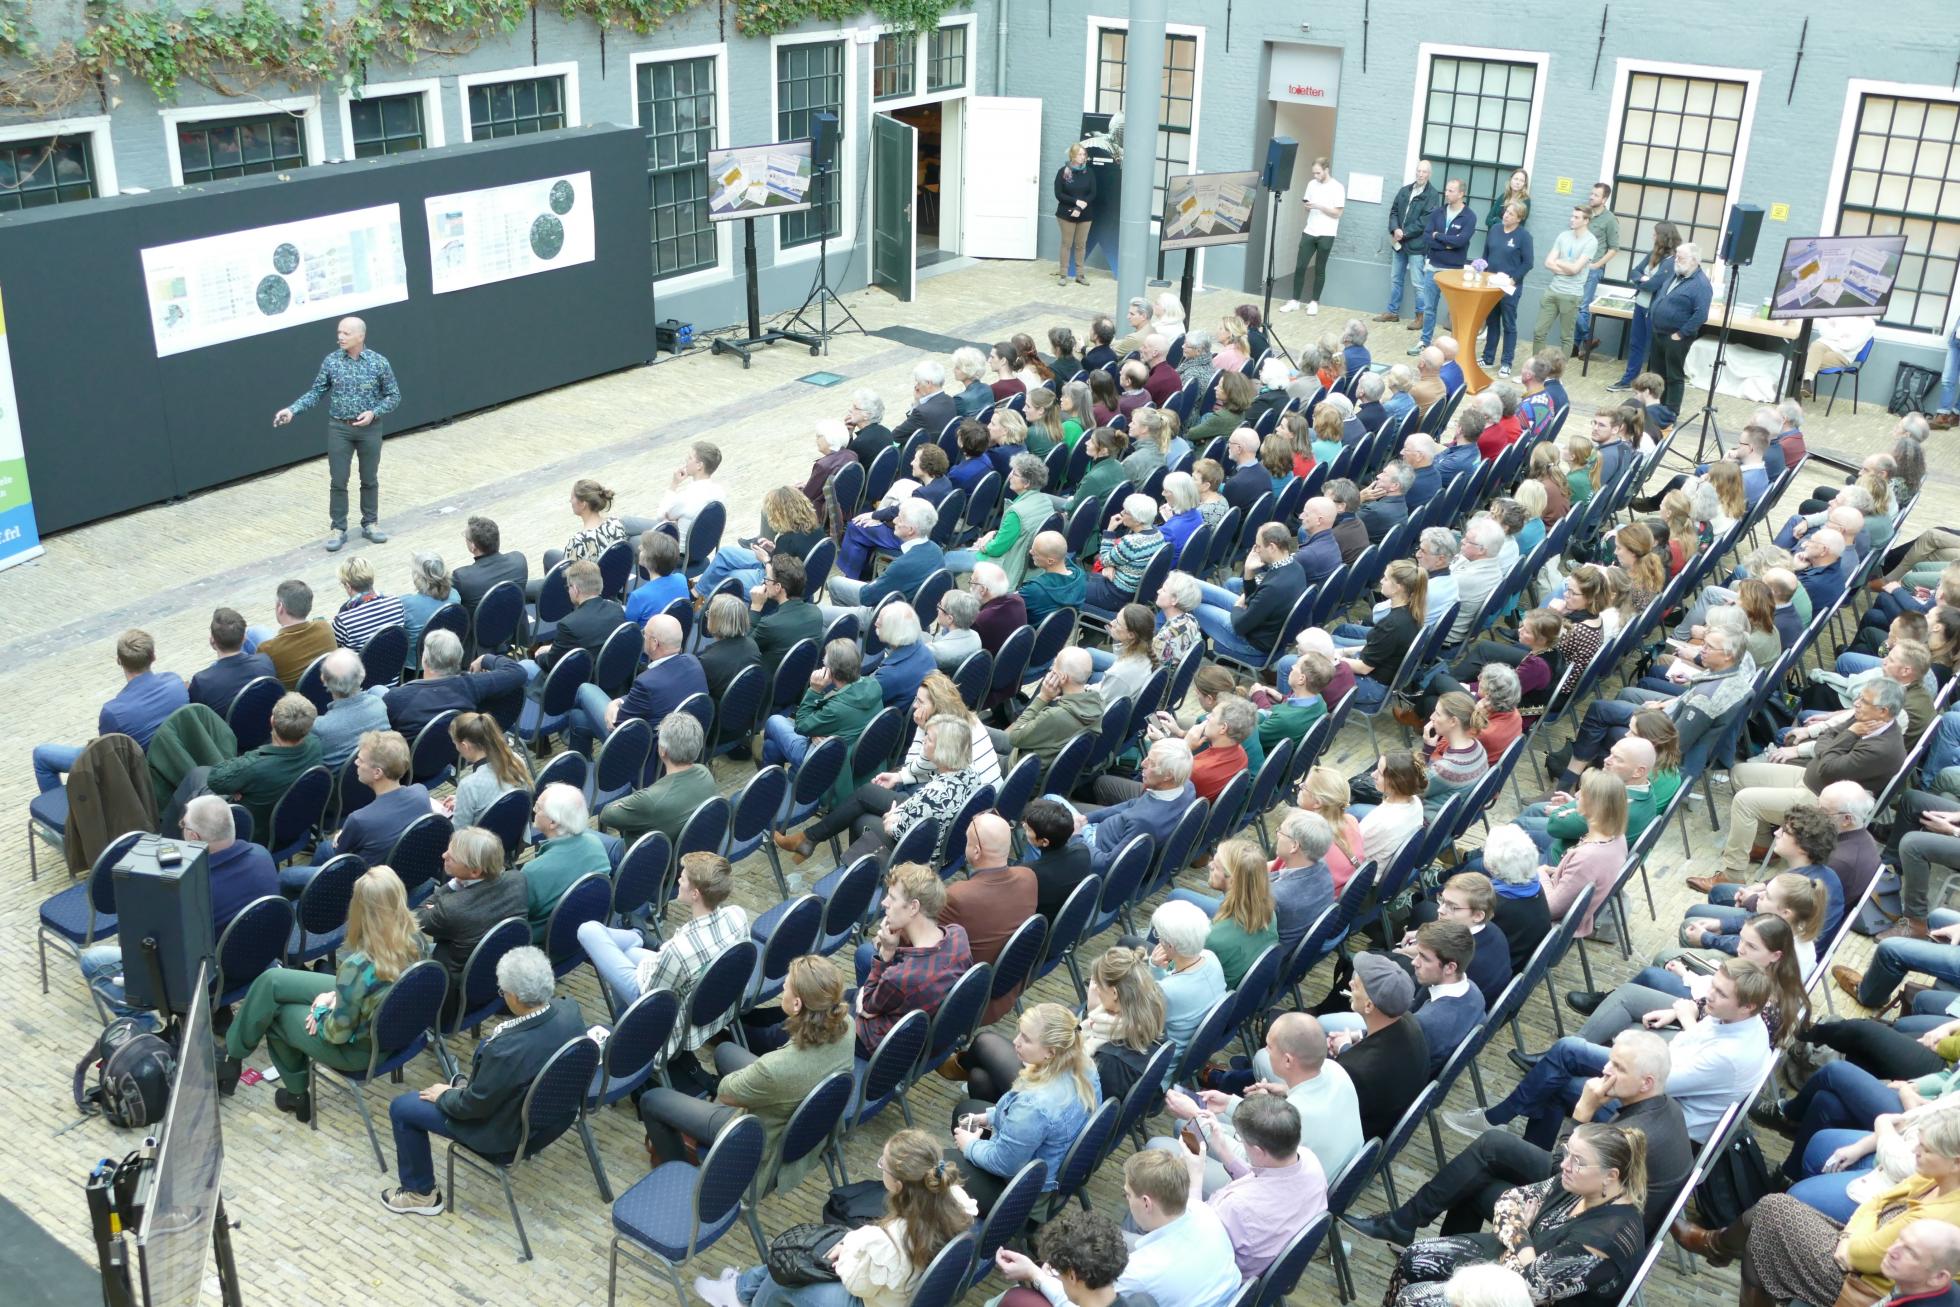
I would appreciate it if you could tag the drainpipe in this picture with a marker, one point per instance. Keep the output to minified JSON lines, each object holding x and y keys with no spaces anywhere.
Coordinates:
{"x":1142,"y":99}
{"x":1000,"y":47}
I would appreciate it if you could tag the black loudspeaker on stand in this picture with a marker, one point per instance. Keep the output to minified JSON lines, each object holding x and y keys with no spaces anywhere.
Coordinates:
{"x":1277,"y":178}
{"x":822,"y":296}
{"x":1738,"y":251}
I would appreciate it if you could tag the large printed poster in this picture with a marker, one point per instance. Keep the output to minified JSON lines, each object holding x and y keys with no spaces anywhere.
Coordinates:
{"x":501,"y":232}
{"x":223,"y":288}
{"x":20,"y":538}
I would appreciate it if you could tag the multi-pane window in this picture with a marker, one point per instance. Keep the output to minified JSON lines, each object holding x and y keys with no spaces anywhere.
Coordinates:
{"x":894,"y":66}
{"x":946,"y":69}
{"x":1175,"y":109}
{"x":235,"y":147}
{"x":46,"y":170}
{"x":535,"y":104}
{"x":387,"y":124}
{"x":1476,"y":121}
{"x":1678,"y":138}
{"x":1904,"y":179}
{"x":677,"y":112}
{"x":810,"y":81}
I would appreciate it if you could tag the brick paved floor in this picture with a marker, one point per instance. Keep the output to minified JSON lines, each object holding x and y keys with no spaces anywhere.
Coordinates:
{"x":312,"y":1228}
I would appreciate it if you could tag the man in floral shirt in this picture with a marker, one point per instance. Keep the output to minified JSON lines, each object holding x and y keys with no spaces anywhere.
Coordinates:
{"x":360,"y":389}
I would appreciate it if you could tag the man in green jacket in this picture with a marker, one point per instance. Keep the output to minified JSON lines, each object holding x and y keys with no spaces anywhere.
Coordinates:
{"x":1054,"y":581}
{"x":260,"y":777}
{"x":570,"y":850}
{"x":1063,"y":708}
{"x":684,"y":785}
{"x":841,"y":701}
{"x":1305,"y":703}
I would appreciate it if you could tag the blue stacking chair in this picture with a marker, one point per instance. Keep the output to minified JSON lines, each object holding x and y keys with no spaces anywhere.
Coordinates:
{"x":953,"y":1026}
{"x":565,"y":768}
{"x":793,"y":934}
{"x":432,"y":756}
{"x":619,"y":659}
{"x":1213,"y":1032}
{"x":408,"y":1014}
{"x":945,"y":1275}
{"x":679,"y":1209}
{"x":549,"y":711}
{"x":635,"y":1050}
{"x":296,"y":818}
{"x":1258,"y":988}
{"x":704,"y":537}
{"x":1342,"y":1190}
{"x":1173,"y":855}
{"x":480,"y":998}
{"x":753,"y":811}
{"x":1017,"y":960}
{"x":793,"y":676}
{"x":643,"y":883}
{"x":252,"y":944}
{"x":321,"y":915}
{"x":1122,"y":884}
{"x":588,"y":899}
{"x":385,"y":655}
{"x":814,"y":778}
{"x":621,"y":761}
{"x":499,"y":614}
{"x":1011,"y":665}
{"x":950,"y":852}
{"x":1091,"y":1146}
{"x":815,"y":1126}
{"x":738,"y":715}
{"x":1066,"y":768}
{"x":417,"y":855}
{"x":553,"y":1105}
{"x":1283,"y":1274}
{"x":313,"y":686}
{"x":1007,"y":1217}
{"x":879,"y":1079}
{"x":848,"y":895}
{"x":718,"y":995}
{"x":975,"y":676}
{"x":1070,"y":928}
{"x":1146,"y":1096}
{"x":507,"y":817}
{"x":250,"y":713}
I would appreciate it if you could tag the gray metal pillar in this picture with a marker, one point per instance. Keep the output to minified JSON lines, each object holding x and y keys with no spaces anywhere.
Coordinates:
{"x":1142,"y":103}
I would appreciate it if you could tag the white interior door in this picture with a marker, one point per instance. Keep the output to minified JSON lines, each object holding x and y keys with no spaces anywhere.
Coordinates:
{"x":1001,"y":178}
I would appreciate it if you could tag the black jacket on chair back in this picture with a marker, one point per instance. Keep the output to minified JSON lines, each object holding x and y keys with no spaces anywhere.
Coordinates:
{"x":486,"y":1111}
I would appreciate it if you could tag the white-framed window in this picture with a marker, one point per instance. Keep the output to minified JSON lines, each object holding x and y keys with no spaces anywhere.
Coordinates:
{"x":1897,"y":172}
{"x":1677,"y":140}
{"x":382,"y":118}
{"x":1476,"y":117}
{"x":55,"y":162}
{"x":213,"y":141}
{"x":1180,"y":96}
{"x":813,"y":73}
{"x":518,"y":101}
{"x":909,"y":68}
{"x":680,"y":100}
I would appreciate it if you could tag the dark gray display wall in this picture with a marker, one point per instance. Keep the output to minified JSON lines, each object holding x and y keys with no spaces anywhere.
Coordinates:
{"x":109,"y":426}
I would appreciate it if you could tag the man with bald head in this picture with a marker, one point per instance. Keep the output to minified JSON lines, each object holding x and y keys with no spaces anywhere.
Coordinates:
{"x":1320,"y":552}
{"x":1429,"y":385}
{"x":1053,"y":581}
{"x":671,"y":676}
{"x":1063,"y":707}
{"x":359,"y":386}
{"x":994,"y":899}
{"x":1556,"y":825}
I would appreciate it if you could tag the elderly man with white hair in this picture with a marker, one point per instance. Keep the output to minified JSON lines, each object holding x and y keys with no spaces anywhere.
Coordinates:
{"x":1063,"y":707}
{"x":1511,"y":859}
{"x":1163,"y":381}
{"x":950,"y":637}
{"x":906,"y":660}
{"x":570,"y":849}
{"x":1478,"y":569}
{"x":1681,"y":297}
{"x":918,"y":558}
{"x":971,"y":393}
{"x":1129,"y":542}
{"x":351,"y":710}
{"x":1419,"y":452}
{"x":833,"y":452}
{"x":482,"y":1110}
{"x":1822,"y":567}
{"x":866,"y":421}
{"x":1166,"y":793}
{"x":1002,"y":610}
{"x":241,"y":872}
{"x":1320,"y":553}
{"x":1369,"y":393}
{"x":932,"y":408}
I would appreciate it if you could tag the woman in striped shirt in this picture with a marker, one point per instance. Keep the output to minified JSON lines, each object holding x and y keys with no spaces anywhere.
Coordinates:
{"x":1456,"y":757}
{"x":365,"y":612}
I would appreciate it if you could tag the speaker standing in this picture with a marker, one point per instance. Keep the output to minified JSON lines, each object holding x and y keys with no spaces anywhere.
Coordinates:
{"x":1325,"y":198}
{"x":360,"y":388}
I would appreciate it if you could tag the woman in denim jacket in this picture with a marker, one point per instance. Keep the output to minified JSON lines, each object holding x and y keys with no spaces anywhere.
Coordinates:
{"x":1039,"y":1117}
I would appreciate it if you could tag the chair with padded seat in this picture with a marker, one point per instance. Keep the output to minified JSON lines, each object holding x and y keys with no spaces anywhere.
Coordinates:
{"x":954,"y":1025}
{"x":1007,"y":1218}
{"x":1122,"y":884}
{"x":551,"y":710}
{"x":720,"y":993}
{"x":1852,"y":369}
{"x":407,"y":1016}
{"x":814,"y":1127}
{"x":878,"y":1080}
{"x":738,"y":715}
{"x":588,"y":899}
{"x":975,"y":676}
{"x":479,"y":998}
{"x":299,"y":814}
{"x":792,"y":934}
{"x":499,"y":615}
{"x":643,"y":882}
{"x":253,"y":942}
{"x":635,"y":1050}
{"x":432,"y":755}
{"x":1146,"y":1096}
{"x":703,"y":537}
{"x":320,"y":916}
{"x":1342,"y":1190}
{"x":417,"y":855}
{"x":1014,"y":965}
{"x":312,"y":684}
{"x":1066,"y":934}
{"x":83,"y":915}
{"x":1079,"y":1162}
{"x":250,"y":712}
{"x":384,"y":656}
{"x":945,"y":1276}
{"x":621,"y":761}
{"x":752,"y":812}
{"x":679,"y":1209}
{"x":792,"y":676}
{"x":507,"y":817}
{"x":1066,"y":767}
{"x":619,"y":659}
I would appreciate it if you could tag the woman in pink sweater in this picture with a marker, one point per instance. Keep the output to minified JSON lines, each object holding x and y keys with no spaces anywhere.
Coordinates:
{"x":1596,"y":859}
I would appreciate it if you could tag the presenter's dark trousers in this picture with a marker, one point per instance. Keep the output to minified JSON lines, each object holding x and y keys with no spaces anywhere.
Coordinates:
{"x":1670,"y":357}
{"x":344,"y":441}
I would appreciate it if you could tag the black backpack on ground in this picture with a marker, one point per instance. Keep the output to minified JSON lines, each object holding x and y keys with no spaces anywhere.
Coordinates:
{"x":1735,"y":1182}
{"x":1911,"y":385}
{"x":133,"y":1071}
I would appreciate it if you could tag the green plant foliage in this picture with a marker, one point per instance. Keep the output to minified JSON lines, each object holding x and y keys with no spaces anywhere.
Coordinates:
{"x":16,"y":32}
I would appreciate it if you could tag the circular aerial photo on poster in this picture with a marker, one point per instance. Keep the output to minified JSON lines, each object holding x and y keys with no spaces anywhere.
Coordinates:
{"x":547,"y":236}
{"x":274,"y":295}
{"x":286,"y":258}
{"x":562,"y":197}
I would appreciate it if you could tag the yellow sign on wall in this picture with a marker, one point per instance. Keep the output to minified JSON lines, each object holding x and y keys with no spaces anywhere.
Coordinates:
{"x":1564,"y":186}
{"x":1779,"y":213}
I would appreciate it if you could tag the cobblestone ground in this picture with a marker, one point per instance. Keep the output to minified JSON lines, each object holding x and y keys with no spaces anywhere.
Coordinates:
{"x":312,"y":1228}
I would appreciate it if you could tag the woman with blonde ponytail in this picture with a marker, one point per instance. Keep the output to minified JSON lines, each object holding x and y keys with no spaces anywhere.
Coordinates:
{"x":878,"y":1265}
{"x":1039,"y":1117}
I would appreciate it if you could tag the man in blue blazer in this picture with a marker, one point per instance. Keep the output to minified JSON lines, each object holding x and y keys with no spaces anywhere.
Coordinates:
{"x":670,"y":678}
{"x":217,"y":685}
{"x":1150,"y":807}
{"x":1825,"y":569}
{"x":484,"y":1110}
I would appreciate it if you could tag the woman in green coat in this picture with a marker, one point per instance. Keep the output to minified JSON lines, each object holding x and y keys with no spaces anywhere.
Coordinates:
{"x":304,"y":1017}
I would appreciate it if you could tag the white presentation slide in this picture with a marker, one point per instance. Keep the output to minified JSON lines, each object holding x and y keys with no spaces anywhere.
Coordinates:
{"x":500,"y":232}
{"x":1209,"y":209}
{"x":223,"y":288}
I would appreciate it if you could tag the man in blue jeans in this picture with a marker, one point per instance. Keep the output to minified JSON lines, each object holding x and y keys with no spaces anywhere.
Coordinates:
{"x":483,"y":1110}
{"x":1448,"y":235}
{"x":146,"y":698}
{"x":1948,"y":413}
{"x":1838,"y":1095}
{"x":1247,"y":625}
{"x":1408,"y":216}
{"x":1938,"y":955}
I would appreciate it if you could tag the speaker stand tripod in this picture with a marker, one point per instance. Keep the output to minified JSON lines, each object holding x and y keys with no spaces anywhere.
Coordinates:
{"x":1710,"y":428}
{"x":1266,"y":308}
{"x":822,"y":295}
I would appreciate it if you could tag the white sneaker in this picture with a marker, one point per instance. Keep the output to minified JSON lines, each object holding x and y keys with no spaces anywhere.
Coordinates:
{"x":1313,"y":307}
{"x":1504,"y":371}
{"x":718,"y":1292}
{"x":1289,"y":306}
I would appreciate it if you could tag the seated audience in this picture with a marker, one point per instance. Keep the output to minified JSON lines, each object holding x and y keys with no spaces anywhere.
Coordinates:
{"x":1184,"y":1254}
{"x":570,"y":850}
{"x":381,"y":762}
{"x":1188,"y":972}
{"x":296,"y":638}
{"x":1243,"y":921}
{"x":914,"y":959}
{"x":840,"y":702}
{"x":1082,"y":1255}
{"x":489,"y":564}
{"x":670,"y":678}
{"x":478,"y":894}
{"x":259,"y":778}
{"x":1038,"y":1117}
{"x":1062,"y":708}
{"x":351,"y":710}
{"x":218,"y":684}
{"x":729,"y":649}
{"x":365,"y":611}
{"x":136,"y":710}
{"x":444,"y":686}
{"x":685,"y":783}
{"x":877,"y":818}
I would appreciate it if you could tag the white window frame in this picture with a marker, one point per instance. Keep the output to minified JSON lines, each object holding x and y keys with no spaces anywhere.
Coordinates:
{"x":1092,"y":53}
{"x":429,"y":88}
{"x":1623,"y":72}
{"x":1855,"y":90}
{"x":848,"y":160}
{"x":525,"y":73}
{"x":724,"y":267}
{"x":1428,"y":52}
{"x":922,"y":58}
{"x":312,"y":131}
{"x":102,"y":156}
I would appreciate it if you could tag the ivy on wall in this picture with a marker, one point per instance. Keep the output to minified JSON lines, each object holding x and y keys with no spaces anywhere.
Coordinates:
{"x":237,"y":50}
